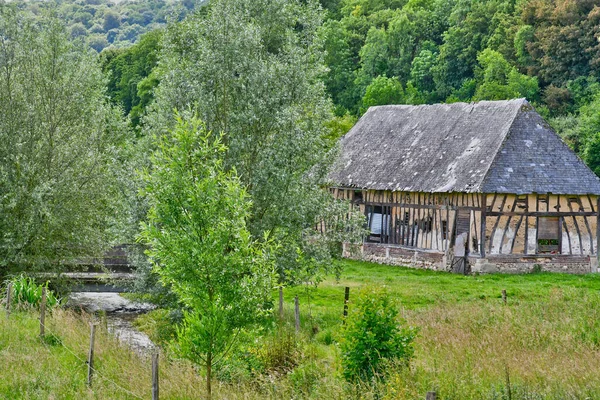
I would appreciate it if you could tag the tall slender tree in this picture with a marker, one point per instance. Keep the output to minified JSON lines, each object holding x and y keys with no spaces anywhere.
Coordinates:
{"x":199,"y":243}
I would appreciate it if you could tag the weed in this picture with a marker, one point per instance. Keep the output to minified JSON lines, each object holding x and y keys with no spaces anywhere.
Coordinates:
{"x":28,"y":293}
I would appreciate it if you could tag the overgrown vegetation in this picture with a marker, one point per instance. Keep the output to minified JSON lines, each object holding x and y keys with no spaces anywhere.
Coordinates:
{"x":372,"y":342}
{"x":545,"y":341}
{"x":27,"y":293}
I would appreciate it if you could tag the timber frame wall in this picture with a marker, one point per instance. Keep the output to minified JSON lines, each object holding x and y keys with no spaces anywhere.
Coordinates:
{"x":504,"y":232}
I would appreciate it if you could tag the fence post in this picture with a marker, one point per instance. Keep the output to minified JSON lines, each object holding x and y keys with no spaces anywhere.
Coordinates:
{"x":155,"y":376}
{"x":90,"y":361}
{"x":346,"y":298}
{"x":8,"y":298}
{"x":297,"y":312}
{"x":504,"y":296}
{"x":281,"y":303}
{"x":43,"y":313}
{"x":431,"y":396}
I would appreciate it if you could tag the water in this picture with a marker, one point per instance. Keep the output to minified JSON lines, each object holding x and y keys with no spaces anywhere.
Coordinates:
{"x":120,"y":313}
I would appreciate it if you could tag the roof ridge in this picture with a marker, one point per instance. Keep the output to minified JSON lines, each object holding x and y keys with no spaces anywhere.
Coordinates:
{"x":523,"y":102}
{"x":520,"y":100}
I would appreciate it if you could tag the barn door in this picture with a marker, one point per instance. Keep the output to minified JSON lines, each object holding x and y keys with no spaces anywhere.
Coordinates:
{"x":461,"y":242}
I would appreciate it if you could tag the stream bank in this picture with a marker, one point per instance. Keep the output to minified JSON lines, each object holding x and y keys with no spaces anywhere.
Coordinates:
{"x":120,"y":314}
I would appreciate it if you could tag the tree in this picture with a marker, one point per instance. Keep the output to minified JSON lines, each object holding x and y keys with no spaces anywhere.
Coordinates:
{"x":252,"y":69}
{"x":383,"y":91}
{"x":421,"y":75}
{"x":200,"y":245}
{"x":129,"y":70}
{"x":112,"y":20}
{"x":498,"y":80}
{"x":562,"y":42}
{"x":60,"y":148}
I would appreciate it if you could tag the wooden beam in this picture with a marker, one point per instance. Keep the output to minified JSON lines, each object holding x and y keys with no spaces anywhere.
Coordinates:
{"x":562,"y":224}
{"x":540,"y":214}
{"x":492,"y":235}
{"x":482,"y":224}
{"x":512,"y":245}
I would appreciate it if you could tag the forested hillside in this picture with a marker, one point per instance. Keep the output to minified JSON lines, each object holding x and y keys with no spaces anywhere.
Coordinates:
{"x":430,"y":51}
{"x":111,"y":23}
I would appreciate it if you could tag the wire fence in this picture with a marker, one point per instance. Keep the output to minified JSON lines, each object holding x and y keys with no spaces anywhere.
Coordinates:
{"x":45,"y":331}
{"x":85,"y":362}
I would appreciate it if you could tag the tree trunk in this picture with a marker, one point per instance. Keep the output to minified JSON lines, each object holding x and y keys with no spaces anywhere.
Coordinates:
{"x":208,"y":375}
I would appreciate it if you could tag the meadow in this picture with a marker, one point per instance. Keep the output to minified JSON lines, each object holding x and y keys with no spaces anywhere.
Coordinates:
{"x":544,"y":343}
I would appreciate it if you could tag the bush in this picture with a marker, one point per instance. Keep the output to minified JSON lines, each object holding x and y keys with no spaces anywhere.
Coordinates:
{"x":27,"y":292}
{"x":159,"y":325}
{"x":279,"y":351}
{"x":373,"y":339}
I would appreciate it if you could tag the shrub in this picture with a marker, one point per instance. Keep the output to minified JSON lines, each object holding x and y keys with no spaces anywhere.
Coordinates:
{"x":159,"y":325}
{"x":27,"y":292}
{"x":373,"y":339}
{"x":280,"y":351}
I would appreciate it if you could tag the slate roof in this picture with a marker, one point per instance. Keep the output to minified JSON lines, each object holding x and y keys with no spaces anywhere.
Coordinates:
{"x":487,"y":147}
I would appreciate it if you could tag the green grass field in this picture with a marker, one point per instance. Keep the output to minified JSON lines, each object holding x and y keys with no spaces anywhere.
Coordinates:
{"x":417,"y":289}
{"x":543,"y":344}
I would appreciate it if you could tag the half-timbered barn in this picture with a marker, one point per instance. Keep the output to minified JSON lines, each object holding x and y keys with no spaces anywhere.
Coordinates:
{"x":478,"y":187}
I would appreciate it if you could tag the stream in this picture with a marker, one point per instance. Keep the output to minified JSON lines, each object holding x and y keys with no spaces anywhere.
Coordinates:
{"x":120,"y":313}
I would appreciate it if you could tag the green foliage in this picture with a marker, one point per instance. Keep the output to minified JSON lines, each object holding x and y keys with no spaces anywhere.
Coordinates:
{"x":60,"y":148}
{"x":339,"y":126}
{"x":498,"y":80}
{"x":27,"y":292}
{"x":383,"y":91}
{"x":130,"y":74}
{"x":199,"y":244}
{"x":160,"y":325}
{"x":246,"y":68}
{"x":373,"y":338}
{"x":110,"y":24}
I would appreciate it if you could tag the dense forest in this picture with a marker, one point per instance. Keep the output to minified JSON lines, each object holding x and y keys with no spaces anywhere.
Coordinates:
{"x":431,"y":51}
{"x":110,"y":23}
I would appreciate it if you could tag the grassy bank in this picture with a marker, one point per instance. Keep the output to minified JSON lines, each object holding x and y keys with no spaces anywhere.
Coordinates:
{"x":544,"y":344}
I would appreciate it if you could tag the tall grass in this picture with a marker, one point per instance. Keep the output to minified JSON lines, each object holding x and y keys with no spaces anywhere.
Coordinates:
{"x":544,"y":344}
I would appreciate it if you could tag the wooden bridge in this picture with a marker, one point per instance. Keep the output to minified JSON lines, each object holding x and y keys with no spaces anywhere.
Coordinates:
{"x":100,"y":275}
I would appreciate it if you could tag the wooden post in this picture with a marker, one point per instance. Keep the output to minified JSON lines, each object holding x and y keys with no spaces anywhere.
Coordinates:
{"x":504,"y":296}
{"x":8,"y":298}
{"x":90,"y":361}
{"x":346,"y":298}
{"x":297,"y":312}
{"x":43,"y":312}
{"x":155,"y":376}
{"x":281,"y":303}
{"x":431,"y":396}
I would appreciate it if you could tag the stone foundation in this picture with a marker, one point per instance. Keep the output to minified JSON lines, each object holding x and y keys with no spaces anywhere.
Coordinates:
{"x":528,"y":264}
{"x":396,"y":255}
{"x":402,"y":256}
